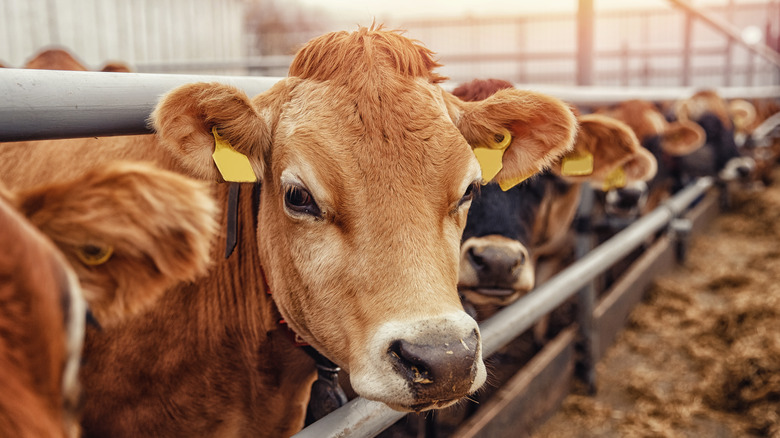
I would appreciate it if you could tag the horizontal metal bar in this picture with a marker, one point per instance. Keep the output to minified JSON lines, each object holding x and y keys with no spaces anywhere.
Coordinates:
{"x":729,"y":30}
{"x":522,"y":314}
{"x":363,"y":418}
{"x":359,"y":418}
{"x":41,"y":104}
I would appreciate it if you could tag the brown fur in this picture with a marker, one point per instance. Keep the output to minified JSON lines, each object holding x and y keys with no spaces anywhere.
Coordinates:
{"x":694,"y":107}
{"x":54,"y":59}
{"x":33,"y":351}
{"x":116,"y":67}
{"x":390,"y":166}
{"x":159,"y":224}
{"x":678,"y":138}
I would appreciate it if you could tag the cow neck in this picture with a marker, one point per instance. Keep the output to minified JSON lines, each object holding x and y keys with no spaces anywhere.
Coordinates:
{"x":233,"y":294}
{"x":327,"y":395}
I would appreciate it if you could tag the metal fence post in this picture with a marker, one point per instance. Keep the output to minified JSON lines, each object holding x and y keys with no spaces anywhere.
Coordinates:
{"x":585,"y":43}
{"x":586,"y":296}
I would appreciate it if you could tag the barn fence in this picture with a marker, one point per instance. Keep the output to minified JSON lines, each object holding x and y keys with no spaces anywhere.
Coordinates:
{"x":45,"y":104}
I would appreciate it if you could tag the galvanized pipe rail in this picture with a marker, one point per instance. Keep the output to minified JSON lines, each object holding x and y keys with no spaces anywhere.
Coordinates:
{"x":43,"y":104}
{"x":361,"y":417}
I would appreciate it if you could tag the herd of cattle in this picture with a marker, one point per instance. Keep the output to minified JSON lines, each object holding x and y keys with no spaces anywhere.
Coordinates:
{"x":360,"y":224}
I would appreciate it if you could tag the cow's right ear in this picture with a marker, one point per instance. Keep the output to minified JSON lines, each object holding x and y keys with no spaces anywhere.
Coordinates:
{"x":682,"y":137}
{"x":541,"y":129}
{"x":193,"y":118}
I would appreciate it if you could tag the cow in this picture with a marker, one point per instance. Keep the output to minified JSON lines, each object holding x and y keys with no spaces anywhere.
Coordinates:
{"x":40,"y":301}
{"x":54,"y":59}
{"x":366,"y":171}
{"x":666,"y":141}
{"x":756,"y":134}
{"x":508,"y":233}
{"x":110,"y":240}
{"x":719,"y":157}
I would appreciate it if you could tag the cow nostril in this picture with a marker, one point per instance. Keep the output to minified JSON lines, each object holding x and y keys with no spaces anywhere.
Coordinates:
{"x":408,"y":363}
{"x":477,"y":260}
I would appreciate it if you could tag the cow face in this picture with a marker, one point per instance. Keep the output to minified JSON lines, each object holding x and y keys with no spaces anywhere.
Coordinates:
{"x":130,"y":231}
{"x":367,"y":175}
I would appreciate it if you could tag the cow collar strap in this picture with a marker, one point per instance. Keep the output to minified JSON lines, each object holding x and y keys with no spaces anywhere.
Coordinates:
{"x":326,"y":394}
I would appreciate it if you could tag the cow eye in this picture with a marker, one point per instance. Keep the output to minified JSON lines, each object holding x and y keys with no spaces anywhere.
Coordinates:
{"x":298,"y":200}
{"x":94,"y":255}
{"x":471,"y":191}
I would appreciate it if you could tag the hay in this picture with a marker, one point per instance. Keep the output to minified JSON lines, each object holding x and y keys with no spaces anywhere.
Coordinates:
{"x":701,"y":355}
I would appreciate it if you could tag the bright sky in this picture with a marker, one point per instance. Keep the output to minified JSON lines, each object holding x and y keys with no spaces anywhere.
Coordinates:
{"x":368,"y":9}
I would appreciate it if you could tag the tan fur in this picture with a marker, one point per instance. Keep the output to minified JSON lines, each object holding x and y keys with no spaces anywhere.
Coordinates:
{"x":54,"y":59}
{"x":363,"y":125}
{"x":678,"y":138}
{"x":694,"y":107}
{"x":32,"y":344}
{"x":159,"y":224}
{"x":116,"y":67}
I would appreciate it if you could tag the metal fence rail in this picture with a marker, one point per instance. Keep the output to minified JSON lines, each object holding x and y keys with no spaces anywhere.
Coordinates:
{"x":42,"y":104}
{"x":361,"y":417}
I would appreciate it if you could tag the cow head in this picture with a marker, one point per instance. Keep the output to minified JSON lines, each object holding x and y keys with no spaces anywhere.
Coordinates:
{"x":367,"y":174}
{"x":129,"y":231}
{"x":508,"y":230}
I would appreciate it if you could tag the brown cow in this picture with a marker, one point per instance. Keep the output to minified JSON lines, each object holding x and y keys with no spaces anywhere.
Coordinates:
{"x":367,"y":172}
{"x":40,"y":301}
{"x":130,"y":231}
{"x":518,"y":228}
{"x":667,"y":141}
{"x":127,"y":231}
{"x":55,"y":59}
{"x":61,"y":59}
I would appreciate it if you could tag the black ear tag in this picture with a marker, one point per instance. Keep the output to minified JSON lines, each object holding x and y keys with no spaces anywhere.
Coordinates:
{"x":232,"y":218}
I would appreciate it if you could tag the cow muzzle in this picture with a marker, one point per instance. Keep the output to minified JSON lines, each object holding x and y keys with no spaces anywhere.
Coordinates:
{"x":494,"y":270}
{"x":422,"y":364}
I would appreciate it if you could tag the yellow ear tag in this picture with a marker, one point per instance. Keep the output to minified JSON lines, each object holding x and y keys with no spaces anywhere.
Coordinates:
{"x":95,"y":255}
{"x":233,"y":165}
{"x":508,"y":184}
{"x":615,"y":179}
{"x":490,"y":156}
{"x":577,"y":165}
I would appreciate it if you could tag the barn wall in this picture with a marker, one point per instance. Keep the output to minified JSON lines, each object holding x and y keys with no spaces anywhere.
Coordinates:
{"x":133,"y":31}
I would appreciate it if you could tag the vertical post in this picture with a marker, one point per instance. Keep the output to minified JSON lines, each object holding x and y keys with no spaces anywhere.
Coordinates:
{"x":687,"y":38}
{"x":625,"y":65}
{"x":586,"y":297}
{"x":585,"y":42}
{"x":727,"y":68}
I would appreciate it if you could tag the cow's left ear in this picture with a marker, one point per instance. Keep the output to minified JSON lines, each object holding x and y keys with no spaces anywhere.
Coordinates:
{"x":196,"y":120}
{"x":682,"y":138}
{"x":612,"y":145}
{"x":129,"y":230}
{"x":541,"y":128}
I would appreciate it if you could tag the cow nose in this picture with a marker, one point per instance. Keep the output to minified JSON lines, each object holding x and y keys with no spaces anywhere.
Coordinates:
{"x":499,"y":265}
{"x":628,"y":197}
{"x":435,"y":369}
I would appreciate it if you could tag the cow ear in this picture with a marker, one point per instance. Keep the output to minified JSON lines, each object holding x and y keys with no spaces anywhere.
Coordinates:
{"x":743,"y":113}
{"x":196,"y":120}
{"x":642,"y":166}
{"x":682,"y":137}
{"x":539,"y":128}
{"x":607,"y":143}
{"x":129,"y":230}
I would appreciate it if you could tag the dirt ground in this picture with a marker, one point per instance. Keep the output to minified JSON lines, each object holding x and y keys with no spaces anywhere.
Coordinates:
{"x":700,"y":357}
